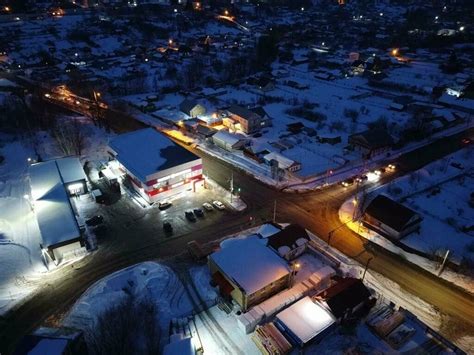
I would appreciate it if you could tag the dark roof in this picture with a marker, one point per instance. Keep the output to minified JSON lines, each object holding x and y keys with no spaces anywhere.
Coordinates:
{"x":389,"y":212}
{"x":373,"y":138}
{"x":259,"y":110}
{"x":346,"y":294}
{"x":187,"y":105}
{"x":262,"y":82}
{"x":242,"y":112}
{"x":287,"y":237}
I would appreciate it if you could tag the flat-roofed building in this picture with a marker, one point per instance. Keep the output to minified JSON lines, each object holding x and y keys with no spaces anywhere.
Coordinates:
{"x":60,"y":233}
{"x":156,"y":167}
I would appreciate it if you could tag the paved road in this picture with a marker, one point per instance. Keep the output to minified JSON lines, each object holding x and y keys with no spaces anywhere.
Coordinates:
{"x":316,"y":211}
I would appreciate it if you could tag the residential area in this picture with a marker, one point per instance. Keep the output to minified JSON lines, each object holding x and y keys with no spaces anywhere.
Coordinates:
{"x":227,"y":177}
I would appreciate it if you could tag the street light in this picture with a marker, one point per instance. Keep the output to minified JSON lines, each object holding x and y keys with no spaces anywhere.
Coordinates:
{"x":294,"y":270}
{"x":226,"y":13}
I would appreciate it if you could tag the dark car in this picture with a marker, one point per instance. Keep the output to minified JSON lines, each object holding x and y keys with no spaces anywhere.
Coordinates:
{"x":347,"y":182}
{"x":190,"y":216}
{"x":167,"y":227}
{"x":198,"y":212}
{"x":94,"y":221}
{"x":361,"y":178}
{"x":164,"y":205}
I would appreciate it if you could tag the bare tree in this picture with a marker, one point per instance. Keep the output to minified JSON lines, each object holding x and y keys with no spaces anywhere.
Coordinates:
{"x":129,"y":327}
{"x":69,"y":136}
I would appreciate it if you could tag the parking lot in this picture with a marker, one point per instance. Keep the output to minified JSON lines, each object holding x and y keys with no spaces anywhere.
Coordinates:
{"x":126,"y":223}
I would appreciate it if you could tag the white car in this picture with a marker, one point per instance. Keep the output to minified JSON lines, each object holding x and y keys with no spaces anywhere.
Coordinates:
{"x":207,"y":206}
{"x":219,"y":205}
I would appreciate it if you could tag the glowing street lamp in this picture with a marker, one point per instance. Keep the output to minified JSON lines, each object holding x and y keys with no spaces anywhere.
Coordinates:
{"x":7,"y":8}
{"x":395,"y":52}
{"x":226,"y":12}
{"x":461,"y":28}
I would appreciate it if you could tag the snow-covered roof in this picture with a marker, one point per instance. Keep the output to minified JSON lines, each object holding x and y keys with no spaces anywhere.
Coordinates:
{"x":226,"y":137}
{"x":54,"y":213}
{"x":267,"y":230}
{"x":146,"y":151}
{"x":283,"y":162}
{"x":306,"y":319}
{"x":70,"y":169}
{"x":250,"y":264}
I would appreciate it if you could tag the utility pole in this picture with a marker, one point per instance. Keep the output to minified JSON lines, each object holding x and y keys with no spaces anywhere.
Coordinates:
{"x":444,"y":261}
{"x":366,"y":267}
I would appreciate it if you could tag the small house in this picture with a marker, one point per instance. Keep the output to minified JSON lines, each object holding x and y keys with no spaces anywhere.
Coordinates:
{"x":192,"y":108}
{"x":346,"y":297}
{"x":248,"y":272}
{"x":371,"y":142}
{"x":390,"y":218}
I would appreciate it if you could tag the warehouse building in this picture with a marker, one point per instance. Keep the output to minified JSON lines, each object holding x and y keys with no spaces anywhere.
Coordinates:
{"x":156,"y":167}
{"x":60,"y":233}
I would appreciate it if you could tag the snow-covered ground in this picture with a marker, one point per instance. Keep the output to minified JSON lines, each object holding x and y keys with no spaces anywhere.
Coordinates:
{"x":440,"y":193}
{"x":20,"y":237}
{"x":219,"y":332}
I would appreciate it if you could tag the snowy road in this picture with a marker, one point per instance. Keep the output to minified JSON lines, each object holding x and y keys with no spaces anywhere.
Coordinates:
{"x":316,"y":211}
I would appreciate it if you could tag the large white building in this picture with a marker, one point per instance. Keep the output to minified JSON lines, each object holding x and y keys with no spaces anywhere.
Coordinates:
{"x":51,"y":184}
{"x":156,"y":167}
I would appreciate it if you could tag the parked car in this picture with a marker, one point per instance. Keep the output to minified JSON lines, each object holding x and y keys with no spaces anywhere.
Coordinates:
{"x":466,"y":141}
{"x":198,"y":212}
{"x":94,"y":221}
{"x":207,"y":206}
{"x":164,"y":205}
{"x":190,"y":216}
{"x":347,"y":182}
{"x":167,"y":227}
{"x":219,"y":205}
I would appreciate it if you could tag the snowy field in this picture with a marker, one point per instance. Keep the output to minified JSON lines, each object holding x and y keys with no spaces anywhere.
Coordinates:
{"x":440,"y":192}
